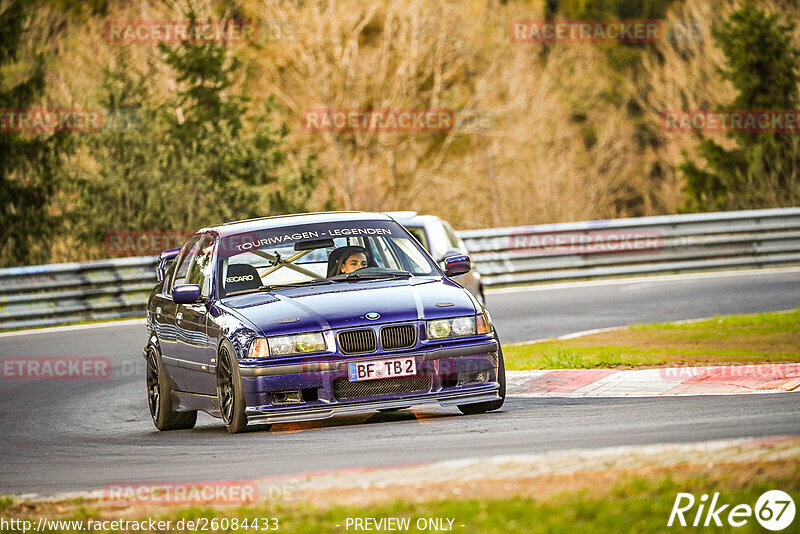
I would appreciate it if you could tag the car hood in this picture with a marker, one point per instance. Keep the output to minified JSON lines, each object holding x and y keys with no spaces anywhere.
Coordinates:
{"x":346,"y":304}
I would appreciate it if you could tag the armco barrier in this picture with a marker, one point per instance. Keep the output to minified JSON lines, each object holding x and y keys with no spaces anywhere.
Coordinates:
{"x":646,"y":245}
{"x":45,"y":295}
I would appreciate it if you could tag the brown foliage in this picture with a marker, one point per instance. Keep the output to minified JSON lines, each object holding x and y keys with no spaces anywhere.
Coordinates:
{"x":541,"y":136}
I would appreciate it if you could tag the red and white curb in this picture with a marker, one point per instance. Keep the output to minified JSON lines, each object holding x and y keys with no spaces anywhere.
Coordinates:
{"x":719,"y":380}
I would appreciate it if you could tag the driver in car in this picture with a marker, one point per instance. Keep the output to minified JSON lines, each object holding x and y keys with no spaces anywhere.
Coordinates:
{"x":345,"y":260}
{"x":354,"y":262}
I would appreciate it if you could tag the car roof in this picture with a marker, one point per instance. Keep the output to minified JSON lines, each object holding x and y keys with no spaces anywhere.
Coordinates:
{"x":278,"y":221}
{"x":410,"y":218}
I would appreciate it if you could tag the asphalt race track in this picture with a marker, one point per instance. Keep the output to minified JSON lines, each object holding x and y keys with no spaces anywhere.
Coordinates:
{"x":61,"y":436}
{"x":536,"y":312}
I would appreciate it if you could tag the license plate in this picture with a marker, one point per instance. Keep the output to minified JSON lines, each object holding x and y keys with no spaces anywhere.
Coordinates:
{"x":382,"y":369}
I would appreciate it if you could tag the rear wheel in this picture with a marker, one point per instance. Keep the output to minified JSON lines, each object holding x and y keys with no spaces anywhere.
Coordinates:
{"x":229,"y":391}
{"x":159,"y":397}
{"x":482,"y":407}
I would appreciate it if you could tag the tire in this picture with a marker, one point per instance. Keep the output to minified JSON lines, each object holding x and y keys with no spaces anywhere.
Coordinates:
{"x":159,"y":396}
{"x":482,"y":407}
{"x":229,"y":390}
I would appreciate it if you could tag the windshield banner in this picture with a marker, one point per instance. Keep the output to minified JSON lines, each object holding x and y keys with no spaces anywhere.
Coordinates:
{"x":288,"y":236}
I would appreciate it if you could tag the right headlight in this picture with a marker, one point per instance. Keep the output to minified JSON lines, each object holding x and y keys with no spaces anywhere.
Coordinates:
{"x":468,"y":325}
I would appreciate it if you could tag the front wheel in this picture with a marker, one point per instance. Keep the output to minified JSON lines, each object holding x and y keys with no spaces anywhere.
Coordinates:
{"x":482,"y":407}
{"x":229,"y":391}
{"x":159,"y":397}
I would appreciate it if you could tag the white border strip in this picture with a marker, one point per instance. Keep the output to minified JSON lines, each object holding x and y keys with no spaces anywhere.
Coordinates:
{"x":584,"y":333}
{"x":572,"y":335}
{"x":69,"y":328}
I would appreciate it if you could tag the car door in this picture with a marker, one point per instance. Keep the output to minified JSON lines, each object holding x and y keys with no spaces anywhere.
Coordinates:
{"x":165,"y":312}
{"x":196,"y":349}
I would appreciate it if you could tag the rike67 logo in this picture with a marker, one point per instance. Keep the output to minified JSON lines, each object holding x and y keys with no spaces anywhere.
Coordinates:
{"x":774,"y":510}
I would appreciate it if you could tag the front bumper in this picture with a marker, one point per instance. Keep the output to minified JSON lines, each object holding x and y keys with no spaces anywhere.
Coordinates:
{"x":462,"y":374}
{"x":487,"y":392}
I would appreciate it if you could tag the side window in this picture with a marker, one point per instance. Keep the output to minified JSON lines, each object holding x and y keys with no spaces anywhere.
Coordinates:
{"x":455,"y":242}
{"x":182,"y":263}
{"x":413,"y":256}
{"x":439,"y":243}
{"x":377,"y":253}
{"x":383,"y":255}
{"x":419,"y":234}
{"x":200,"y":266}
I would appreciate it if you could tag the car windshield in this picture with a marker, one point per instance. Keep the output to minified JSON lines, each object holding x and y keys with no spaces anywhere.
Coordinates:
{"x":326,"y":253}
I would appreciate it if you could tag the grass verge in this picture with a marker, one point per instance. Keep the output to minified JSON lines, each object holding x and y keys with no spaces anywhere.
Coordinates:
{"x":731,"y":340}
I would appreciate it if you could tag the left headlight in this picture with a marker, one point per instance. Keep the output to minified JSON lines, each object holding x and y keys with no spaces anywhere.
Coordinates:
{"x":305,"y":343}
{"x":457,"y":327}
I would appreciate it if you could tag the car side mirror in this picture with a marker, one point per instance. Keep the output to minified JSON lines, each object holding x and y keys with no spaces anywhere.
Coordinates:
{"x":186,"y":293}
{"x":456,"y":265}
{"x":450,"y":252}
